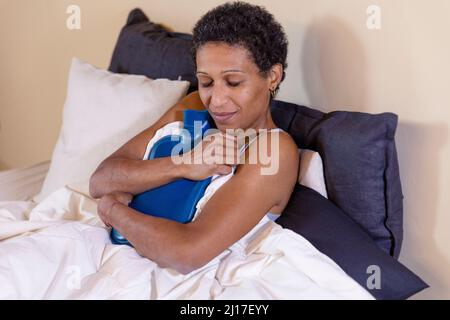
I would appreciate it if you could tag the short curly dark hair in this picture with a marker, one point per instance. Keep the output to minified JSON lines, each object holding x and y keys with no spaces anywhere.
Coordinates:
{"x":243,"y":24}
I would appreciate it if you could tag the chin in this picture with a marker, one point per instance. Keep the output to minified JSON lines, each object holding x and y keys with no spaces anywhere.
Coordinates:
{"x":230,"y":126}
{"x":232,"y":123}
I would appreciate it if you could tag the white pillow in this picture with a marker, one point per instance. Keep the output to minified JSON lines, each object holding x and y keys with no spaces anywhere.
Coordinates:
{"x":103,"y":110}
{"x":311,"y":171}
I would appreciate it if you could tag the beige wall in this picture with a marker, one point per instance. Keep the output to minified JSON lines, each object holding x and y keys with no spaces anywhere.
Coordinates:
{"x":335,"y":62}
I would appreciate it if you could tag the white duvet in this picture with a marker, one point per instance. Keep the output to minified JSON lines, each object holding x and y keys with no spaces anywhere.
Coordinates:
{"x":60,"y":249}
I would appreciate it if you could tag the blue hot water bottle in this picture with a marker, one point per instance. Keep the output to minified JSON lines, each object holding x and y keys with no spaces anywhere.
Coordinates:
{"x":176,"y":200}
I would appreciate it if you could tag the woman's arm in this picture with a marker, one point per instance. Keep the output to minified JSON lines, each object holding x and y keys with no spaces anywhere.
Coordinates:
{"x":231,"y":213}
{"x":125,"y":170}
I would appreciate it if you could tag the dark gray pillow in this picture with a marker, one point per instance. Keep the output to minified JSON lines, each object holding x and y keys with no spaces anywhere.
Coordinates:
{"x":360,"y":165}
{"x":150,"y":49}
{"x":336,"y":235}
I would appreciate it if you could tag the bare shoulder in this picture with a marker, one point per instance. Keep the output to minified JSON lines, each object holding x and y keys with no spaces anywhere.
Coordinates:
{"x":274,"y":146}
{"x":288,"y":170}
{"x":288,"y":149}
{"x":276,"y":168}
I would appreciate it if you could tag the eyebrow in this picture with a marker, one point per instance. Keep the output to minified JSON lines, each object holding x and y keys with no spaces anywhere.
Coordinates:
{"x":225,"y":71}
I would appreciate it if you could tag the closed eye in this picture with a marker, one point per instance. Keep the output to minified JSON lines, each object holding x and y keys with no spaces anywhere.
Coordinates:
{"x":231,"y":84}
{"x":206,"y":85}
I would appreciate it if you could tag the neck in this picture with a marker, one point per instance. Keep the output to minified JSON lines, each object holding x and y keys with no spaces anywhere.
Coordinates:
{"x":264,"y":121}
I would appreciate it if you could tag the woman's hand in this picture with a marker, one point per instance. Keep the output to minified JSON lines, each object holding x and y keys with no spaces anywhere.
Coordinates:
{"x":215,"y":154}
{"x":107,"y":202}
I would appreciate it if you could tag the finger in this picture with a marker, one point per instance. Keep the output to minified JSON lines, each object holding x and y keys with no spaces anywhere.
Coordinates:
{"x":223,"y":169}
{"x":223,"y":139}
{"x":228,"y":159}
{"x":231,"y":154}
{"x":223,"y":150}
{"x":125,"y":198}
{"x":209,"y":156}
{"x":102,"y":219}
{"x":106,"y":224}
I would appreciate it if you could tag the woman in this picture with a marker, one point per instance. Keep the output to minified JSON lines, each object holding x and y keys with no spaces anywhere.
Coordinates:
{"x":240,"y":53}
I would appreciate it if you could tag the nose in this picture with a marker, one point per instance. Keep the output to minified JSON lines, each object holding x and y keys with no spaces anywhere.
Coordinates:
{"x":218,"y":98}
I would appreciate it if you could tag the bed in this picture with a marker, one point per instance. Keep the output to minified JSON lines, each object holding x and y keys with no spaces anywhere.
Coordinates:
{"x":339,"y":237}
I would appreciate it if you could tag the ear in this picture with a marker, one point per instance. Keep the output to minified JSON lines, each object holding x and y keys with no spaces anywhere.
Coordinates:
{"x":275,"y":75}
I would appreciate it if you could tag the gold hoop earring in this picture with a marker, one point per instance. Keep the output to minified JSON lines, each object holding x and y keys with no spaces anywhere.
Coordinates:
{"x":272,"y":93}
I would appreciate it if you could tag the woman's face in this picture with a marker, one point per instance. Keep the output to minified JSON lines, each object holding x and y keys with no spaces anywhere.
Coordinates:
{"x":231,"y":87}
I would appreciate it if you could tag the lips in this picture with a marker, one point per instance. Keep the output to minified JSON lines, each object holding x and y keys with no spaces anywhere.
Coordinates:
{"x":223,"y":116}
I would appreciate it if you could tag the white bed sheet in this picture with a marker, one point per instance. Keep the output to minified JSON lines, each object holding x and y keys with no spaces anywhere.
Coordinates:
{"x":59,"y":249}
